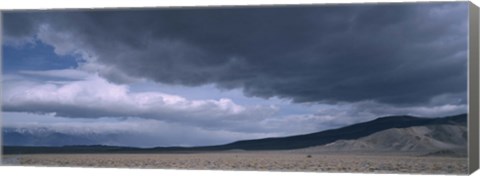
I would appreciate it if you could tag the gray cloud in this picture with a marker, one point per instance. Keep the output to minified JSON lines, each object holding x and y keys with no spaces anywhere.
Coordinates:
{"x":399,"y":54}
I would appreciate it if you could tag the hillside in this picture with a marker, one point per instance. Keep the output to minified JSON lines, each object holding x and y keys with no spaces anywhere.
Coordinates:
{"x":351,"y":132}
{"x":451,"y":139}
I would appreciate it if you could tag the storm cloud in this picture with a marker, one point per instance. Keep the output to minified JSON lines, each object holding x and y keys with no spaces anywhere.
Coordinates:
{"x":398,"y":54}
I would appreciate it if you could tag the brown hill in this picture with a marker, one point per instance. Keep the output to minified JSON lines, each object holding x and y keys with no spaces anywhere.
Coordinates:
{"x":431,"y":140}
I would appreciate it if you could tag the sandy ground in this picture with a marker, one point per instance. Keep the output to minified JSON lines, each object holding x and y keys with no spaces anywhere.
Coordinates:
{"x":269,"y":161}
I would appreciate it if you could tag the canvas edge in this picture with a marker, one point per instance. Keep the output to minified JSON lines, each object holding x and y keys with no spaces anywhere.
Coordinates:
{"x":473,"y":88}
{"x":1,"y":82}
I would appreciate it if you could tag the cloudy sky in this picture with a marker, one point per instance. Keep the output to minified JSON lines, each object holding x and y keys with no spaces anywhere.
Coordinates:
{"x":204,"y":76}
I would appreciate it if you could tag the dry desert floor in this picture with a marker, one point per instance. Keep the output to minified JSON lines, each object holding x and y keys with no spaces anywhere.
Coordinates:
{"x":263,"y":161}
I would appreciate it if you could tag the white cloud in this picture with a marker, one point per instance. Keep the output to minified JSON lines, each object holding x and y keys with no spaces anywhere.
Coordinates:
{"x":95,"y":97}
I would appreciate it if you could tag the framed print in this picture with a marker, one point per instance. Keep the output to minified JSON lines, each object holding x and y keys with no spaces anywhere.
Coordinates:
{"x":343,"y":88}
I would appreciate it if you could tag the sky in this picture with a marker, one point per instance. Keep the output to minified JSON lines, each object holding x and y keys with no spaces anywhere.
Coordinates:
{"x":207,"y":76}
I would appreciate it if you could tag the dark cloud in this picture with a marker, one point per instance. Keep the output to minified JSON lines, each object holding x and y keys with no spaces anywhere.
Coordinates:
{"x":400,"y":54}
{"x":20,"y":25}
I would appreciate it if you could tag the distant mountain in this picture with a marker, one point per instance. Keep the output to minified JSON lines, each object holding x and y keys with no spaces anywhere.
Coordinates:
{"x":399,"y":133}
{"x":351,"y":132}
{"x":47,"y":137}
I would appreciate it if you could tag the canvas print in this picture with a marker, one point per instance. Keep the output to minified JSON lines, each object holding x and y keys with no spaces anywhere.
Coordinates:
{"x":371,"y":88}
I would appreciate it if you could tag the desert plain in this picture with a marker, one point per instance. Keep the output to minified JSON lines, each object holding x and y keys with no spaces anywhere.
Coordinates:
{"x":255,"y":160}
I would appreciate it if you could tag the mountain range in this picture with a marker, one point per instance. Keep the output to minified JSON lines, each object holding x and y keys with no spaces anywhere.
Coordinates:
{"x":392,"y":133}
